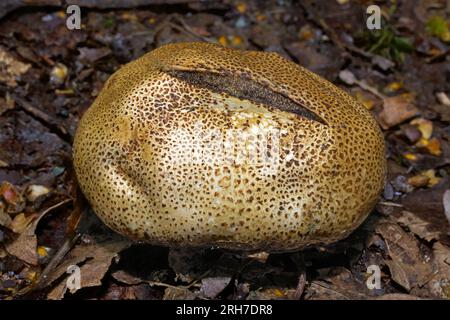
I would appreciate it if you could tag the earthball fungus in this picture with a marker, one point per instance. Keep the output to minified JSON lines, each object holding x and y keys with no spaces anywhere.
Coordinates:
{"x":195,"y":144}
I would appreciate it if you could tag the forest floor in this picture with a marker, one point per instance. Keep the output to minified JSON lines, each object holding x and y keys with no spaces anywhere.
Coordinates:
{"x":50,"y":75}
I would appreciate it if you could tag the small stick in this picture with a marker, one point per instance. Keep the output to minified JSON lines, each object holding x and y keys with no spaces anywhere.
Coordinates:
{"x":48,"y":121}
{"x":391,"y":204}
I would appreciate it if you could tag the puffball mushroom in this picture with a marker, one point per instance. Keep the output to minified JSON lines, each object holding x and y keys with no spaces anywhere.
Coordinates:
{"x":171,"y":152}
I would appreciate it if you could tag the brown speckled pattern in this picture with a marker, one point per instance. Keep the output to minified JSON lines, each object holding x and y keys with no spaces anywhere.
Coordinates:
{"x":126,"y":143}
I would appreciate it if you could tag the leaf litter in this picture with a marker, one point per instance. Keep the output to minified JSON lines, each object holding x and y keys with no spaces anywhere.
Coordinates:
{"x":49,"y":79}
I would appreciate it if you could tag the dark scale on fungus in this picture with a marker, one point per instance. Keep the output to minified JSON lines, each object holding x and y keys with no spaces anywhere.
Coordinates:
{"x":137,"y":166}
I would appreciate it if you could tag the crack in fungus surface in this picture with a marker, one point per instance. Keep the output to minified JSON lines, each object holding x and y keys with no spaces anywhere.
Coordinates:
{"x":244,"y":88}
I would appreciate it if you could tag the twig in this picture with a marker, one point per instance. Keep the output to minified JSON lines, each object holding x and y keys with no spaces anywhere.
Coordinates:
{"x":183,"y":23}
{"x":59,"y":255}
{"x":51,"y":264}
{"x":190,"y":285}
{"x":329,"y":289}
{"x":391,"y":204}
{"x":363,"y":85}
{"x":44,"y":118}
{"x":332,"y":34}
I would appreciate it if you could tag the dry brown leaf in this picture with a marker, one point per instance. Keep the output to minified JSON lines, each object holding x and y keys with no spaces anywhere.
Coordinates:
{"x":425,"y":127}
{"x":10,"y":193}
{"x":6,"y":104}
{"x":427,"y":205}
{"x":21,"y":222}
{"x":3,"y":253}
{"x":272,"y":294}
{"x":213,"y":286}
{"x":418,"y":181}
{"x":396,"y":110}
{"x":13,"y":199}
{"x":5,"y":219}
{"x":434,"y":147}
{"x":97,"y":258}
{"x":58,"y":292}
{"x":409,"y":267}
{"x":10,"y":68}
{"x":423,"y":229}
{"x":91,"y":55}
{"x":432,"y":179}
{"x":336,"y":284}
{"x":439,"y":285}
{"x":188,"y":264}
{"x":24,"y":247}
{"x":181,"y":293}
{"x":397,"y":296}
{"x":125,"y":277}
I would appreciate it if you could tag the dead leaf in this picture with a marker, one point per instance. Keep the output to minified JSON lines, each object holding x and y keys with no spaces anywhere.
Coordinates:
{"x":212,"y":287}
{"x":422,"y":228}
{"x":241,"y":291}
{"x":91,"y":55}
{"x":261,"y":256}
{"x":5,"y":219}
{"x":443,"y":98}
{"x":10,"y":68}
{"x":396,"y":110}
{"x":364,"y":98}
{"x":431,"y":175}
{"x":188,"y":264}
{"x":15,"y":202}
{"x":439,"y":285}
{"x":58,"y":74}
{"x":408,"y":265}
{"x":272,"y":294}
{"x":427,"y":205}
{"x":35,"y":191}
{"x":24,"y":247}
{"x":125,"y":277}
{"x":6,"y":104}
{"x":97,"y":258}
{"x":434,"y":147}
{"x":181,"y":293}
{"x":21,"y":222}
{"x":347,"y":77}
{"x":425,"y":127}
{"x":411,"y":133}
{"x":10,"y":193}
{"x":443,"y":111}
{"x":382,"y":62}
{"x":336,"y":284}
{"x":418,"y":181}
{"x":397,"y":296}
{"x":393,"y":87}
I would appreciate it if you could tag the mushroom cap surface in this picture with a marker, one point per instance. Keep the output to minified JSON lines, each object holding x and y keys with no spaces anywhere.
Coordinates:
{"x":149,"y":153}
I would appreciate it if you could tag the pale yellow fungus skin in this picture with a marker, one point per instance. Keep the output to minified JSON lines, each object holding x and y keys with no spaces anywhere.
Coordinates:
{"x":134,"y":158}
